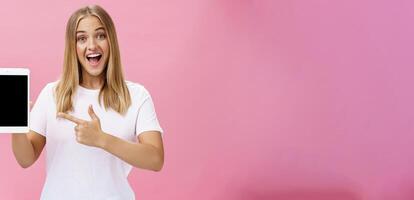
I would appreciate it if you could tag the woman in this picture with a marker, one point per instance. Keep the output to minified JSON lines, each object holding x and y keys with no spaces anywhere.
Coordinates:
{"x":94,"y":124}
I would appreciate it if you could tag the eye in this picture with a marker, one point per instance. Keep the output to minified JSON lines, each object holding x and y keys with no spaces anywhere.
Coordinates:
{"x":81,"y":39}
{"x":101,"y":36}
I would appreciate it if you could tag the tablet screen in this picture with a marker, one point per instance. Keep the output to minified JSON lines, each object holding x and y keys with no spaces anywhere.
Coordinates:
{"x":13,"y":100}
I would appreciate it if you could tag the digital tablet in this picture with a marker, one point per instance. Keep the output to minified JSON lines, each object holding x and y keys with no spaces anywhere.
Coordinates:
{"x":14,"y":100}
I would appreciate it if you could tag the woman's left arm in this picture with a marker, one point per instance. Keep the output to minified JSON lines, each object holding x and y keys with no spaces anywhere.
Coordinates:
{"x":148,"y":153}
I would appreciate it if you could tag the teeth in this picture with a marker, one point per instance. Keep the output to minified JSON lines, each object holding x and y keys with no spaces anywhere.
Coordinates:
{"x":93,"y":55}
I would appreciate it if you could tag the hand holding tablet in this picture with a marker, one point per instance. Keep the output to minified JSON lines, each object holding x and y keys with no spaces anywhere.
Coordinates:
{"x":14,"y":100}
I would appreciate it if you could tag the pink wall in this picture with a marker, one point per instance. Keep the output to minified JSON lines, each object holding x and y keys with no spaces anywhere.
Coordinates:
{"x":259,"y":99}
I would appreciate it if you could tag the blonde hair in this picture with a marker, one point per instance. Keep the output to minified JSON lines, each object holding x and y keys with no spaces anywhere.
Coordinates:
{"x":114,"y":91}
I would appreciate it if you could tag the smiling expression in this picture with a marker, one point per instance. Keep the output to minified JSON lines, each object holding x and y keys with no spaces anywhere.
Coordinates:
{"x":92,"y":46}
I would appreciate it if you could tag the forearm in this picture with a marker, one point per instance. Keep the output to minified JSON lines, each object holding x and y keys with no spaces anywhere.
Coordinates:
{"x":144,"y":156}
{"x":23,"y":150}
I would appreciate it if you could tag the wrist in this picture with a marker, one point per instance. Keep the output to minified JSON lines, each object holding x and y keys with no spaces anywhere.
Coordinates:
{"x":103,"y":141}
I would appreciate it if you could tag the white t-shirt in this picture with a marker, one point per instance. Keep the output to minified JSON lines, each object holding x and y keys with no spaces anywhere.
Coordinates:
{"x":77,"y":171}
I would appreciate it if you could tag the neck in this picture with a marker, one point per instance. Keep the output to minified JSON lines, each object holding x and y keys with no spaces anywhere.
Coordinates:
{"x":92,"y":82}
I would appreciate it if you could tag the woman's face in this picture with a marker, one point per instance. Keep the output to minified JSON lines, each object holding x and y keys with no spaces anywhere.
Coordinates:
{"x":92,"y":46}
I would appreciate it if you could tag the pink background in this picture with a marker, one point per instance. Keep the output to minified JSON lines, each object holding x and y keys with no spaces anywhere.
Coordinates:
{"x":260,"y":99}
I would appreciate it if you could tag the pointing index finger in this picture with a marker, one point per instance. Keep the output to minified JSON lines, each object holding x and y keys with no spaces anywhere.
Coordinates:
{"x":70,"y":118}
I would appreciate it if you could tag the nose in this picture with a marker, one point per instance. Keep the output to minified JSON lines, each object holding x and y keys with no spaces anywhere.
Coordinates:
{"x":92,"y":44}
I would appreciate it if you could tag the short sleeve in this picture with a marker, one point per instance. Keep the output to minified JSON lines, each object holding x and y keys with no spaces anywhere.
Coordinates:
{"x":147,"y":118}
{"x":38,"y":112}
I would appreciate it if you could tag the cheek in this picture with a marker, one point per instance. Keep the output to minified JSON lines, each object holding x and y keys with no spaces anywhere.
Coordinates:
{"x":80,"y":50}
{"x":105,"y":46}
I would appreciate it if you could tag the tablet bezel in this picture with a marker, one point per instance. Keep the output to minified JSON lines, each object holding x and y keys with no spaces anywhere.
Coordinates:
{"x":18,"y":71}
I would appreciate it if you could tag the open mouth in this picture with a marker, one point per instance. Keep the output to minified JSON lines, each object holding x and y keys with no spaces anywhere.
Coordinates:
{"x":94,"y":58}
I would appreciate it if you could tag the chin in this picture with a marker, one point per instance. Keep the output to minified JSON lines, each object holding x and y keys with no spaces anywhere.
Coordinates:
{"x":94,"y":72}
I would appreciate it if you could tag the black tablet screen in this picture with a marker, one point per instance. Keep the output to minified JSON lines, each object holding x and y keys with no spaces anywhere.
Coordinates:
{"x":13,"y":100}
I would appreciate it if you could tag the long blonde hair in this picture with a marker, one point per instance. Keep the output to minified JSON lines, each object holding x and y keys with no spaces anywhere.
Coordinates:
{"x":114,"y":91}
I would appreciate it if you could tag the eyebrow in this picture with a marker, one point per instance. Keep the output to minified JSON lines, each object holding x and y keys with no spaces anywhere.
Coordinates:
{"x":97,"y":29}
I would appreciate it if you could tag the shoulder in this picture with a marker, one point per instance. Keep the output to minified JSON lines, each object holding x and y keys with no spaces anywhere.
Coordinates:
{"x":50,"y":87}
{"x":136,"y":89}
{"x":47,"y":92}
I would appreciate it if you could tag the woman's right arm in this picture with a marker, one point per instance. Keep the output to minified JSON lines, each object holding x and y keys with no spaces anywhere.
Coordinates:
{"x":27,"y":147}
